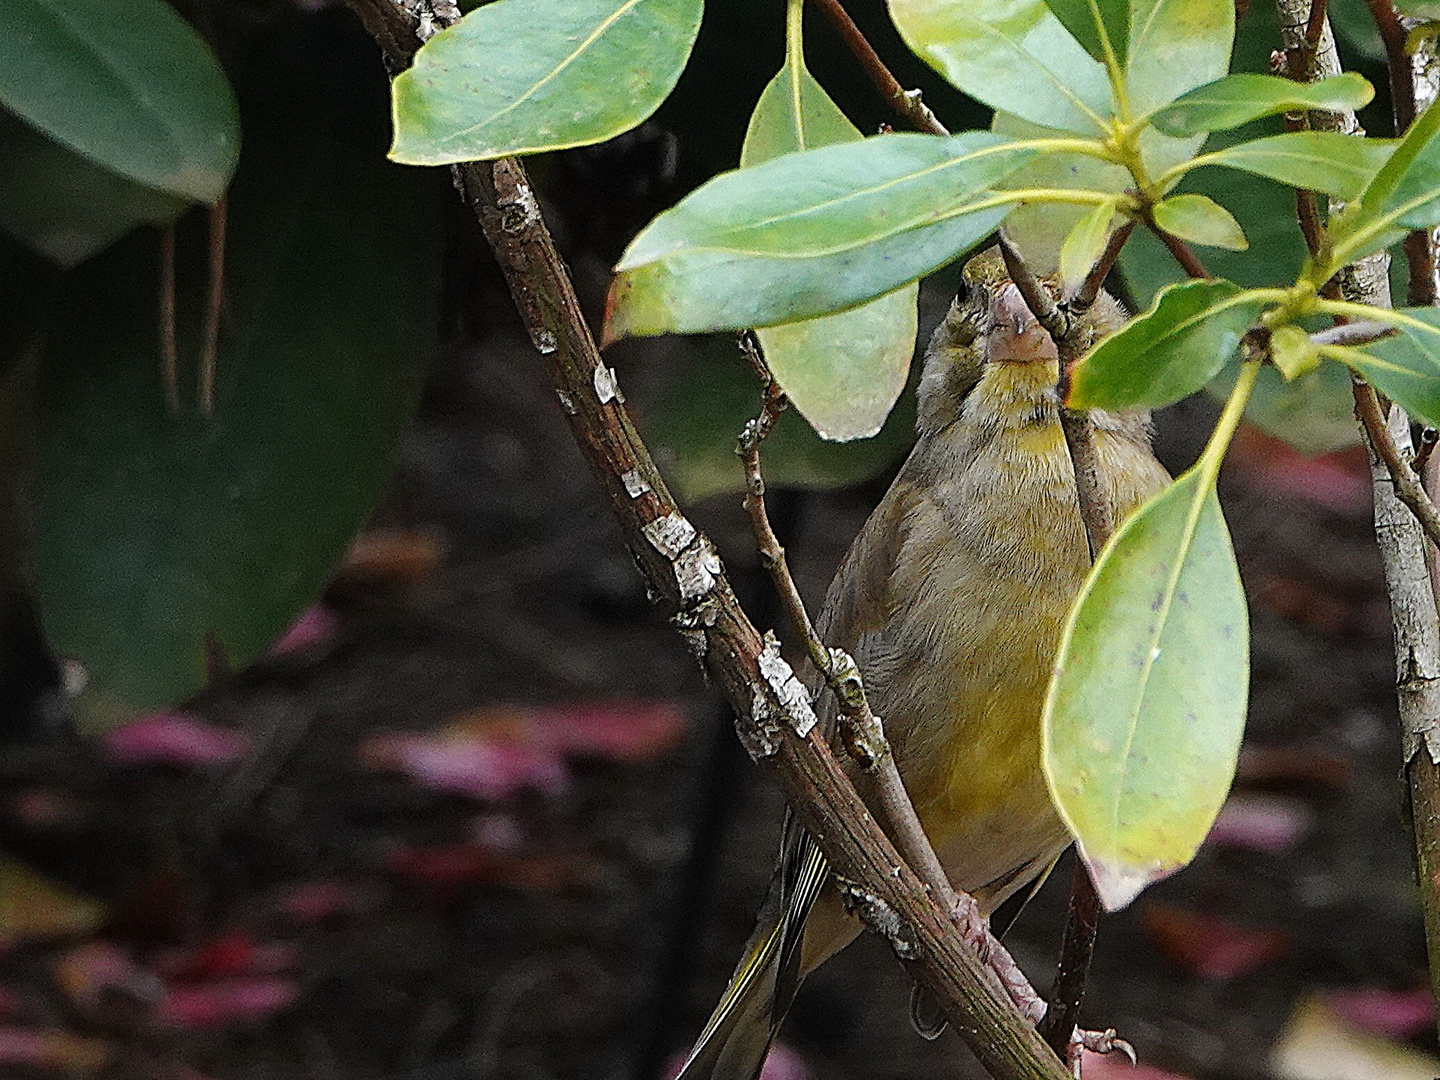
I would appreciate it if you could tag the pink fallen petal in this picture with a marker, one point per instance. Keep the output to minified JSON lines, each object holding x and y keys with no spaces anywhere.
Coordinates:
{"x":1118,"y":1067}
{"x":311,"y":902}
{"x":96,"y":967}
{"x":616,"y":730}
{"x":1209,"y":946}
{"x":1339,"y":482}
{"x":478,"y":767}
{"x":57,"y":1050}
{"x":235,"y":952}
{"x":1265,"y":823}
{"x":1396,"y":1014}
{"x":315,"y":626}
{"x":226,"y":1001}
{"x":174,"y":739}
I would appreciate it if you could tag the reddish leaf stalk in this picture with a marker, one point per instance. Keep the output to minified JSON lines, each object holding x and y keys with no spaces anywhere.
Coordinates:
{"x":214,"y":299}
{"x":169,"y":351}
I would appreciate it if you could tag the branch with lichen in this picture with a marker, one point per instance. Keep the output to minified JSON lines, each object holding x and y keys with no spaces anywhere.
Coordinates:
{"x":774,"y":718}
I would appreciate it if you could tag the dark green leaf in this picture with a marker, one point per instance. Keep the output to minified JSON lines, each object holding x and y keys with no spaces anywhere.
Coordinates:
{"x":1237,"y":99}
{"x":1175,"y":46}
{"x":65,"y":206}
{"x":1200,"y":220}
{"x":842,"y":372}
{"x":523,"y":76}
{"x":1169,"y":352}
{"x":155,"y":532}
{"x":128,"y":85}
{"x":1143,"y":722}
{"x":1088,"y":19}
{"x":810,"y":233}
{"x":1012,"y":55}
{"x":1406,"y":367}
{"x":693,"y":424}
{"x":1324,"y":161}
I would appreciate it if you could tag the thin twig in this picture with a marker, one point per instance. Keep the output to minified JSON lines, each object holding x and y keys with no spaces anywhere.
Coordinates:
{"x":865,"y":738}
{"x":906,"y":103}
{"x":1077,"y":947}
{"x":214,"y":298}
{"x":1085,"y":296}
{"x":1364,"y":332}
{"x":1188,"y":260}
{"x":772,"y":713}
{"x":1421,"y":461}
{"x":1407,"y":484}
{"x":1318,"y":12}
{"x":169,"y":351}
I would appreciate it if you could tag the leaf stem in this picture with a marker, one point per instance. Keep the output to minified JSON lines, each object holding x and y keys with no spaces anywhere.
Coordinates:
{"x":1214,"y":452}
{"x":906,"y":103}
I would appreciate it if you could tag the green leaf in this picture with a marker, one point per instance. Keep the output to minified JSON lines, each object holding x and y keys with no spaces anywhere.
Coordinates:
{"x":1237,"y":99}
{"x":65,"y":206}
{"x":1404,"y":195}
{"x":1012,"y":55}
{"x":693,"y":423}
{"x":1406,"y":367}
{"x":154,"y":532}
{"x":1169,"y":352}
{"x":1324,"y":161}
{"x":842,"y":372}
{"x":1175,"y":46}
{"x":1087,"y":20}
{"x":130,"y":86}
{"x":1085,"y":244}
{"x":1145,"y":713}
{"x":811,"y":233}
{"x":524,"y":76}
{"x":1200,"y":220}
{"x":1292,"y":351}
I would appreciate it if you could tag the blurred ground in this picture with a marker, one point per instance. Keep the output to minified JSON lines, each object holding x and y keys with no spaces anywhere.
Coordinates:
{"x":555,"y":933}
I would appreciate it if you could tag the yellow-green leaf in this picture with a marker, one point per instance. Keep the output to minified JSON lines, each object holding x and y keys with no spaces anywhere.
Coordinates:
{"x":1200,"y":220}
{"x":843,"y":372}
{"x":1147,"y":705}
{"x":1012,"y":55}
{"x":1292,"y":351}
{"x":1085,"y":244}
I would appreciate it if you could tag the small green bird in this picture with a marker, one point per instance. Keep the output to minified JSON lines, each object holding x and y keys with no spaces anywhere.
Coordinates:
{"x":951,"y":600}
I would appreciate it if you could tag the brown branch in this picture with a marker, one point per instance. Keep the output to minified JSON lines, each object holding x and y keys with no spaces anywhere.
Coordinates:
{"x":169,"y":351}
{"x":773,"y":716}
{"x":1188,"y":260}
{"x":865,"y":738}
{"x":1318,"y":12}
{"x":1077,"y":947}
{"x":214,"y":299}
{"x":1402,"y":476}
{"x":1085,"y":296}
{"x":906,"y":103}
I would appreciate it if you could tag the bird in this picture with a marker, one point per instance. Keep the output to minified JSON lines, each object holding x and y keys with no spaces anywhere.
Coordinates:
{"x":951,"y":600}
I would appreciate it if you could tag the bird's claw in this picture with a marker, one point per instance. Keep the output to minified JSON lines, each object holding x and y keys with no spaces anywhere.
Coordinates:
{"x":1097,"y":1042}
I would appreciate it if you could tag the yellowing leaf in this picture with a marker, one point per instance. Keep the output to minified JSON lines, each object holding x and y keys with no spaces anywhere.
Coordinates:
{"x":843,"y":372}
{"x":1200,"y":220}
{"x":1143,"y":721}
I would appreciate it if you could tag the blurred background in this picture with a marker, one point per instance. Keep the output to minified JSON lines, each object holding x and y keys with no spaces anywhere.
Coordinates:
{"x":475,"y":814}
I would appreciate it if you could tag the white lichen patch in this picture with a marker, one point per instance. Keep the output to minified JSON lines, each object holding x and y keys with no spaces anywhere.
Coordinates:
{"x":606,"y":388}
{"x":670,"y":534}
{"x":635,"y":484}
{"x":789,"y":689}
{"x":880,"y":917}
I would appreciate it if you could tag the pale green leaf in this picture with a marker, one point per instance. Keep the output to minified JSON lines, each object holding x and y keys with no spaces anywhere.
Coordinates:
{"x":1237,"y":99}
{"x":128,"y":85}
{"x":843,"y":372}
{"x":1292,"y":351}
{"x":1175,"y":46}
{"x":811,"y":233}
{"x":1170,"y":351}
{"x":523,"y":76}
{"x":1146,"y":709}
{"x":1200,"y":220}
{"x":1085,"y":244}
{"x":1324,"y":161}
{"x":1088,"y":20}
{"x":1012,"y":55}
